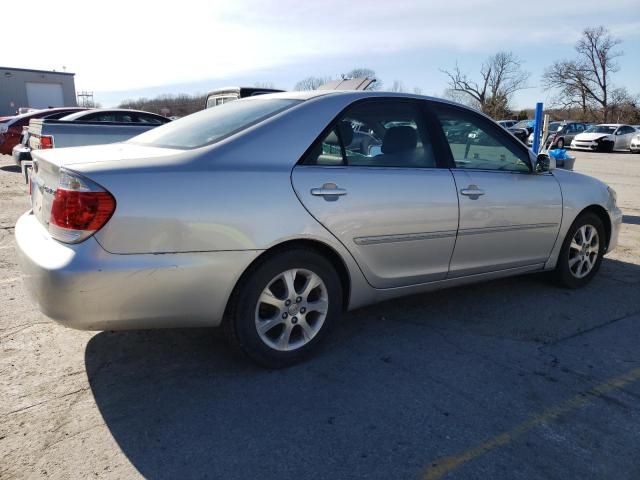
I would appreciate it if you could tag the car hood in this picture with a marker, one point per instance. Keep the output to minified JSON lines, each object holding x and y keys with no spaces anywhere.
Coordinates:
{"x":591,"y":136}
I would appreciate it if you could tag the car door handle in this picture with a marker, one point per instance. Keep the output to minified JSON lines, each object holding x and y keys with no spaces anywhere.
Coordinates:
{"x":328,"y":190}
{"x":472,"y":191}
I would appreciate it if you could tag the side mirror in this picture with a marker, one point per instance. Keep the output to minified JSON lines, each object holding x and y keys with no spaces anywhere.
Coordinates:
{"x":545,"y":163}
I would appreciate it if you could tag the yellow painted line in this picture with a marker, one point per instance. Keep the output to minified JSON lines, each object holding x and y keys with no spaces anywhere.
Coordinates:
{"x":438,"y":468}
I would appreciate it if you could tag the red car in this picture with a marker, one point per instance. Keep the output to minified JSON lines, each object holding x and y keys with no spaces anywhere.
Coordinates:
{"x":11,"y":127}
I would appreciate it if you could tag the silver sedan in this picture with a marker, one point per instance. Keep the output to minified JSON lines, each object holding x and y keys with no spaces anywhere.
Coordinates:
{"x":271,"y":215}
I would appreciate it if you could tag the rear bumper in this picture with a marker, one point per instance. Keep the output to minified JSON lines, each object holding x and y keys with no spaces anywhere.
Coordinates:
{"x":82,"y":286}
{"x":21,"y":153}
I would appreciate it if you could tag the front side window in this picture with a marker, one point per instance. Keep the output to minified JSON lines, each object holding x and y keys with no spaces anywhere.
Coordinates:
{"x":377,"y":134}
{"x":477,"y":144}
{"x":213,"y":124}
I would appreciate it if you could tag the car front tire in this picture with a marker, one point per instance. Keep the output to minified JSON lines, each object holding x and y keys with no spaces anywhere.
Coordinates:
{"x":284,"y":307}
{"x":582,"y":252}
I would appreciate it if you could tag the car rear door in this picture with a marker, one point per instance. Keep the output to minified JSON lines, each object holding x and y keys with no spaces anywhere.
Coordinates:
{"x":388,"y":201}
{"x":509,"y":216}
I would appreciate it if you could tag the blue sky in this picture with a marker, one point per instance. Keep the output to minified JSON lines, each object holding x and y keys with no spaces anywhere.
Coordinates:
{"x":130,"y":49}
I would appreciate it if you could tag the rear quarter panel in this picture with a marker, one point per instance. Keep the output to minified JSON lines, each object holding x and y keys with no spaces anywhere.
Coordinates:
{"x":235,"y":195}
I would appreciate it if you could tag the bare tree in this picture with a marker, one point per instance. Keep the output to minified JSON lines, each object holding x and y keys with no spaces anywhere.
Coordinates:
{"x":585,"y":81}
{"x":264,"y":85}
{"x":624,"y":107}
{"x":417,"y":90}
{"x":460,"y":97}
{"x":181,"y":104}
{"x":570,"y":83}
{"x":501,"y":75}
{"x":397,"y":86}
{"x":311,"y":83}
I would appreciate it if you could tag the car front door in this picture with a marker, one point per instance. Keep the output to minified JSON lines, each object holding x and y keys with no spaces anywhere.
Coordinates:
{"x":386,"y":200}
{"x":509,"y":215}
{"x":623,"y":137}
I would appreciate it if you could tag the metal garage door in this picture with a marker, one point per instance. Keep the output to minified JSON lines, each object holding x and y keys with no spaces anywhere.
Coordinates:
{"x":43,"y":95}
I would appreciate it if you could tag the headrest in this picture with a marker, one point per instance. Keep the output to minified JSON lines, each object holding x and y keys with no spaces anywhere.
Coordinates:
{"x":399,"y":139}
{"x":346,"y":132}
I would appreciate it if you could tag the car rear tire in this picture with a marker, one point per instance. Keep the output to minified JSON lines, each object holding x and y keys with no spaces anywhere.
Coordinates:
{"x":284,"y":307}
{"x":582,"y":252}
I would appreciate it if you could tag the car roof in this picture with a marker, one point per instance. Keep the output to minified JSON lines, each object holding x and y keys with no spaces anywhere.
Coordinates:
{"x":43,"y":112}
{"x":352,"y":95}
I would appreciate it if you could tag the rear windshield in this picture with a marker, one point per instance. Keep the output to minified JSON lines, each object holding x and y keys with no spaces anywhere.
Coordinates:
{"x":213,"y":124}
{"x":524,"y":124}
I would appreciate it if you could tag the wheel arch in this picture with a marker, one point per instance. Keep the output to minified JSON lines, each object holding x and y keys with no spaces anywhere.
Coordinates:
{"x":602,"y":213}
{"x":320,"y":247}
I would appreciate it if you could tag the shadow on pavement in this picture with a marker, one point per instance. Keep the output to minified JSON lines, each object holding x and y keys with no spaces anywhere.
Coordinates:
{"x":394,"y":383}
{"x":631,"y":219}
{"x":11,"y":168}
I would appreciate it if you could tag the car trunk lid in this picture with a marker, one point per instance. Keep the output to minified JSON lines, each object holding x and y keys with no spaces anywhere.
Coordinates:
{"x":45,"y":175}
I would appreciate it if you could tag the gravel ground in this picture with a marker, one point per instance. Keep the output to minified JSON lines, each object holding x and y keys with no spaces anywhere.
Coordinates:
{"x":508,"y":379}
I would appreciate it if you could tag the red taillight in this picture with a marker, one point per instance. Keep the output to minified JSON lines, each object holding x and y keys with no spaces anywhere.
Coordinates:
{"x":79,"y":208}
{"x":46,"y":141}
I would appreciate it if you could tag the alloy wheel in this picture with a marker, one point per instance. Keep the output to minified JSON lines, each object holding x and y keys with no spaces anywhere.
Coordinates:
{"x":583,"y":251}
{"x":291,"y":309}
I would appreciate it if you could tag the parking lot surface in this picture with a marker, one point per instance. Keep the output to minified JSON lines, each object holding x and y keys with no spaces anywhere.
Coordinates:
{"x":513,"y":379}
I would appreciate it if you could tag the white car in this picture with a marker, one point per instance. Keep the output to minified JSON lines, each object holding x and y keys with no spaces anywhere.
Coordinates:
{"x":605,"y":137}
{"x":553,"y":128}
{"x":634,"y":146}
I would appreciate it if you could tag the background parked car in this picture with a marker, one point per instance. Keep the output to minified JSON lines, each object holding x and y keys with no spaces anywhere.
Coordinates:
{"x":116,"y":115}
{"x":92,"y":127}
{"x":566,"y":133}
{"x":605,"y":137}
{"x":522,"y":130}
{"x":224,"y":95}
{"x":553,"y":127}
{"x":634,"y":146}
{"x":11,"y":131}
{"x":507,"y":123}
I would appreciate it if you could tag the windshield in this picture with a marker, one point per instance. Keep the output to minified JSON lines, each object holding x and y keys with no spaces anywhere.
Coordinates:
{"x":524,"y":124}
{"x":213,"y":124}
{"x":600,"y":129}
{"x":555,"y":126}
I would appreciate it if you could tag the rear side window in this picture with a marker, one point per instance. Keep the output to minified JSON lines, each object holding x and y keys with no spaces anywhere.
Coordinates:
{"x":213,"y":124}
{"x":377,"y":134}
{"x":143,"y":118}
{"x":477,"y":144}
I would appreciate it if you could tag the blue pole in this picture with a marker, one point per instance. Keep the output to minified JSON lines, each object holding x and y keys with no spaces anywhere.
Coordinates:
{"x":537,"y":128}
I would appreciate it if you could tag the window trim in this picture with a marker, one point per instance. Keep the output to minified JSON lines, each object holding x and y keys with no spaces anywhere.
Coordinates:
{"x":429,"y":121}
{"x":500,"y":133}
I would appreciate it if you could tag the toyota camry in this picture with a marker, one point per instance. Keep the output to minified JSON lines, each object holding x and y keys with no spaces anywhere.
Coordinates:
{"x":271,"y":215}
